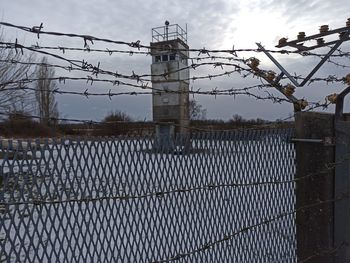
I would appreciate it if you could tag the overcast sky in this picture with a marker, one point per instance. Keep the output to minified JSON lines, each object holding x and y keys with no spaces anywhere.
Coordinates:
{"x":213,"y":24}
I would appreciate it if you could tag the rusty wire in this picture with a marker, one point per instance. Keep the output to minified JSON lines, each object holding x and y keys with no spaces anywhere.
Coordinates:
{"x":82,"y":65}
{"x":242,"y":68}
{"x":331,"y":166}
{"x":88,"y":39}
{"x":96,"y":69}
{"x":230,"y":236}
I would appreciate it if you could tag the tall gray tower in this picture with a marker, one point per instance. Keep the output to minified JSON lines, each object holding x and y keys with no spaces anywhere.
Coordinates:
{"x":170,"y":97}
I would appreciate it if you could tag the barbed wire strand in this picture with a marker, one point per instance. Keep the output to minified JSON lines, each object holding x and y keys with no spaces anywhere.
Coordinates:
{"x":331,"y":166}
{"x":230,"y":236}
{"x":87,"y":67}
{"x":38,"y":30}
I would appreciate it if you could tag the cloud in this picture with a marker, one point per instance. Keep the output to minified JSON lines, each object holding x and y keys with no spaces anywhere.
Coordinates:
{"x":306,"y":14}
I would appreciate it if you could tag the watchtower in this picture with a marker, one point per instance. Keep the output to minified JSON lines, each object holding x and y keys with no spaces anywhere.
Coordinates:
{"x":170,"y":79}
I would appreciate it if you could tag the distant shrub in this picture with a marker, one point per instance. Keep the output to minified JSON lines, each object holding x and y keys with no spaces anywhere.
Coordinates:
{"x":117,"y":116}
{"x":115,"y":123}
{"x":74,"y":129}
{"x":237,"y":122}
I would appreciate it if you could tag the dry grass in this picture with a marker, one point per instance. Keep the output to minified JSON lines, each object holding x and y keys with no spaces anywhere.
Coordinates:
{"x":25,"y":128}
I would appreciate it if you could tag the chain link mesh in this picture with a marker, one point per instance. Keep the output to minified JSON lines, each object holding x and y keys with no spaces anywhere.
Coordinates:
{"x":130,"y":200}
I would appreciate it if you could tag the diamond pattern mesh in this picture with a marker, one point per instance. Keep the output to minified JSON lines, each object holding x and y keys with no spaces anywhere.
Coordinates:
{"x":129,"y":200}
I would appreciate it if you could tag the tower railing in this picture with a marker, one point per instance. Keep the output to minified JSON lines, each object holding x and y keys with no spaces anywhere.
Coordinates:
{"x":169,"y":32}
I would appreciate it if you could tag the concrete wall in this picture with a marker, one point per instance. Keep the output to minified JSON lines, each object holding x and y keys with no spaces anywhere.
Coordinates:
{"x":161,"y":98}
{"x":174,"y":70}
{"x":162,"y":95}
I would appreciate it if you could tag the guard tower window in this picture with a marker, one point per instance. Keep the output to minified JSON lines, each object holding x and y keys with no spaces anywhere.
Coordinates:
{"x":184,"y":60}
{"x":157,"y":59}
{"x":172,"y":56}
{"x":165,"y":58}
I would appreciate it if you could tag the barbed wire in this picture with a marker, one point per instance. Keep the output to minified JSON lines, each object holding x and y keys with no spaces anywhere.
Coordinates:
{"x":37,"y":64}
{"x":159,"y":194}
{"x":139,"y":78}
{"x":338,"y":64}
{"x":89,"y":80}
{"x":87,"y":38}
{"x":230,"y":236}
{"x":340,"y":53}
{"x":88,"y":50}
{"x":212,"y":58}
{"x":79,"y":64}
{"x":157,"y":91}
{"x":86,"y":93}
{"x":331,"y":166}
{"x":38,"y":30}
{"x":95,"y":70}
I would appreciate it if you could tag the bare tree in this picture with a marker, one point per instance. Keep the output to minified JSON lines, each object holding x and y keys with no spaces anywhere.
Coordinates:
{"x":45,"y":98}
{"x":14,"y":66}
{"x":196,"y":111}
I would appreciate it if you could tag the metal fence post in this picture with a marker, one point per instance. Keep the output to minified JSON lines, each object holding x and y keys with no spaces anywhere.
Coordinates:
{"x":342,"y":182}
{"x":315,"y":183}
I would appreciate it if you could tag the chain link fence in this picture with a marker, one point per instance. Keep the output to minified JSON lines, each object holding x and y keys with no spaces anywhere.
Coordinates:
{"x":214,"y":197}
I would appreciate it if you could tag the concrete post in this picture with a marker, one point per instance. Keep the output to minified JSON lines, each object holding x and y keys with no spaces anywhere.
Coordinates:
{"x":342,"y":191}
{"x":315,"y":226}
{"x":164,"y":140}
